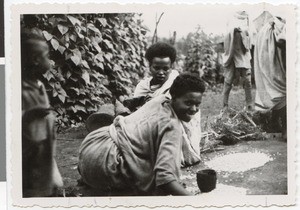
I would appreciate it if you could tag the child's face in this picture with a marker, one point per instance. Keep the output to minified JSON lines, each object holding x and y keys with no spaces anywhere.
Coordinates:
{"x":160,"y":69}
{"x":41,"y":58}
{"x":187,"y":105}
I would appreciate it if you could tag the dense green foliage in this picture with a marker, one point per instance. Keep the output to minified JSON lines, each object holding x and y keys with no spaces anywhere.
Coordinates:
{"x":200,"y":53}
{"x":98,"y":58}
{"x":201,"y":56}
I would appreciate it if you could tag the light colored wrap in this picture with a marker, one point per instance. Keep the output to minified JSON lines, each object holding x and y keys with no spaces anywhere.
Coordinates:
{"x":192,"y":130}
{"x":143,"y":88}
{"x":270,"y":74}
{"x":234,"y":49}
{"x":191,"y":140}
{"x":101,"y":163}
{"x":140,"y":151}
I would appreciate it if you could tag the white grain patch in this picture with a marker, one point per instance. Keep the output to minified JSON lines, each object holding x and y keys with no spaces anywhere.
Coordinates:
{"x":193,"y":189}
{"x":239,"y":162}
{"x":188,"y":177}
{"x":222,"y":189}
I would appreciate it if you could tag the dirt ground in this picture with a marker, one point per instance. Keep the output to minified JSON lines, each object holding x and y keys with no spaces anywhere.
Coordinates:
{"x":269,"y":179}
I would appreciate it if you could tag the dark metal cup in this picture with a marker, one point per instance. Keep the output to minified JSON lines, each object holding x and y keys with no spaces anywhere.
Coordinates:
{"x":206,"y":180}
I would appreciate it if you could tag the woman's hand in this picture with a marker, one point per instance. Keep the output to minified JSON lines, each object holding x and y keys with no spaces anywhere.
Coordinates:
{"x":174,"y":188}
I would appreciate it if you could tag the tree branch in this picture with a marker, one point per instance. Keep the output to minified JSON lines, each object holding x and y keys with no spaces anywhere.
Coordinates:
{"x":154,"y":38}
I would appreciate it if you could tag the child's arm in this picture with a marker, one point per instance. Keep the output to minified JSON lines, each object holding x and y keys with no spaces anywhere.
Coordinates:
{"x":174,"y":188}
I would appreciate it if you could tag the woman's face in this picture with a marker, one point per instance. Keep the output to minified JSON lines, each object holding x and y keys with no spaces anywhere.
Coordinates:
{"x":187,"y":105}
{"x":160,"y":69}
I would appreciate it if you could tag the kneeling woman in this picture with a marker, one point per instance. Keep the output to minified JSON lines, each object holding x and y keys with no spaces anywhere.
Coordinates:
{"x":142,"y":151}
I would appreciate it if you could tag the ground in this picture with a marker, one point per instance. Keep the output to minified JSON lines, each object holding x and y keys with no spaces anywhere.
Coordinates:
{"x":269,"y":179}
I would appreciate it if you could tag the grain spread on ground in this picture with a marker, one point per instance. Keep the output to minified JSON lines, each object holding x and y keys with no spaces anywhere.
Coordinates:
{"x":221,"y":189}
{"x":239,"y":162}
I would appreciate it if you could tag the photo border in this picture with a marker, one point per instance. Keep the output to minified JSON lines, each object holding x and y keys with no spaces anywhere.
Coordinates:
{"x":14,"y":164}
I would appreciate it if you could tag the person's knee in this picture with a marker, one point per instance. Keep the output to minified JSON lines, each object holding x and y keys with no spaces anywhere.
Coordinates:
{"x":247,"y":80}
{"x":247,"y":84}
{"x":227,"y":86}
{"x":229,"y":78}
{"x":228,"y":81}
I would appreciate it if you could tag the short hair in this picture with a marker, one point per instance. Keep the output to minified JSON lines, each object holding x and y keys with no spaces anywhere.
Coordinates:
{"x":161,"y":50}
{"x":186,"y":82}
{"x":29,"y":38}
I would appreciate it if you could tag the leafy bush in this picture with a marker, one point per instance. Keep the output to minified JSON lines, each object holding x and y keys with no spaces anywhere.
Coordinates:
{"x":201,"y":56}
{"x":98,"y":58}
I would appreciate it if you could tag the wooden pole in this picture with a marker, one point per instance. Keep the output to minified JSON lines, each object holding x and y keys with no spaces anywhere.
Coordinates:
{"x":154,"y":38}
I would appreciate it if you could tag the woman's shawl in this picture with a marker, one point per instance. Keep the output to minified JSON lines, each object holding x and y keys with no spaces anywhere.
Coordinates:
{"x":191,"y":143}
{"x":191,"y":131}
{"x":270,"y":73}
{"x":143,"y":88}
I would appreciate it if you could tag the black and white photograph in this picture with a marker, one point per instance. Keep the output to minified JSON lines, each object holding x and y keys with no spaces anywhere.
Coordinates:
{"x":149,"y":102}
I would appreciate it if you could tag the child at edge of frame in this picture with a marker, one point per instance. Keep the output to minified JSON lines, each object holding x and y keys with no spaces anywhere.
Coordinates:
{"x":40,"y":174}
